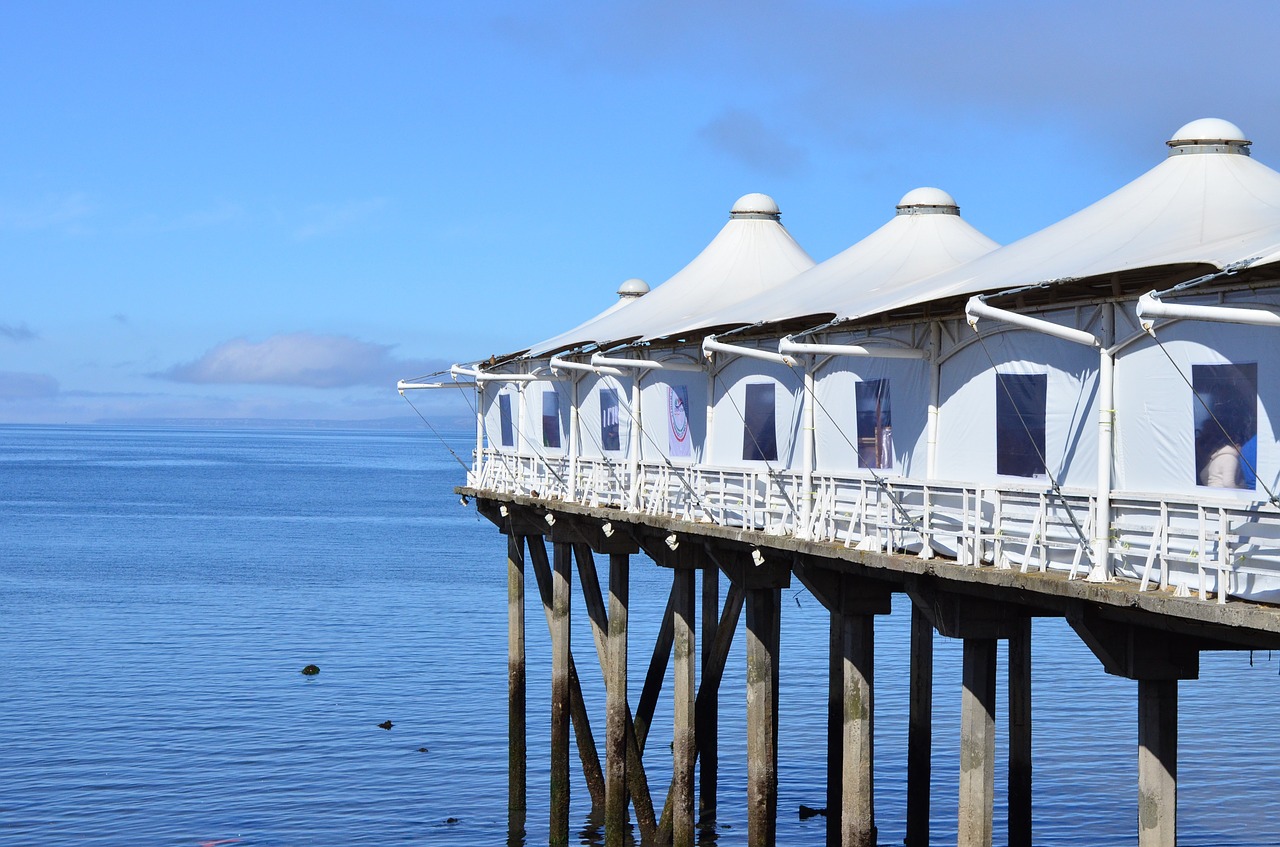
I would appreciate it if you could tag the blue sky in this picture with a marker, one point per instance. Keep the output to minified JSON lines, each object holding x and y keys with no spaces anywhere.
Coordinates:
{"x":245,"y":210}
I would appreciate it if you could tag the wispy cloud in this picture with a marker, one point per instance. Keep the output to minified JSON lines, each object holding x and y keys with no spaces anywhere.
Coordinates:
{"x":745,"y":137}
{"x":54,"y":212}
{"x":26,"y":386}
{"x":297,"y":359}
{"x":1095,"y":68}
{"x":18,"y":332}
{"x":333,"y":218}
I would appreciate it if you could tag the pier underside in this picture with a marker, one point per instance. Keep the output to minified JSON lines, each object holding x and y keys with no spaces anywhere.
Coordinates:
{"x":1153,"y":637}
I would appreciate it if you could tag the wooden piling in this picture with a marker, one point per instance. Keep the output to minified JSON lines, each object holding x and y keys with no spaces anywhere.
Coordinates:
{"x":1157,"y":762}
{"x":1020,"y":733}
{"x":857,"y":812}
{"x":637,"y":782}
{"x":707,"y":709}
{"x":977,"y":743}
{"x":560,"y":632}
{"x":920,"y":730}
{"x":835,"y":727}
{"x":615,"y":746}
{"x":587,"y":753}
{"x":517,"y":744}
{"x":763,"y":631}
{"x":684,"y":751}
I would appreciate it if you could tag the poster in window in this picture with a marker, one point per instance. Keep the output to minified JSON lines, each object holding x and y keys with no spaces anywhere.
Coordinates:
{"x":1020,"y":424}
{"x":679,"y":444}
{"x":504,"y":421}
{"x":551,"y":419}
{"x":1226,"y":421}
{"x":609,"y":419}
{"x":875,"y":431}
{"x":760,"y":436}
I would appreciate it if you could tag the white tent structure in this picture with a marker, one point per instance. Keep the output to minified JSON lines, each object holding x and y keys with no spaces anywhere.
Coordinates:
{"x":925,"y":236}
{"x":752,"y":253}
{"x":818,"y":395}
{"x":1114,"y":412}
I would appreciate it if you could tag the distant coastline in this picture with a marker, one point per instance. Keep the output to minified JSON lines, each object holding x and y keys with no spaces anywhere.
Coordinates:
{"x":392,"y":424}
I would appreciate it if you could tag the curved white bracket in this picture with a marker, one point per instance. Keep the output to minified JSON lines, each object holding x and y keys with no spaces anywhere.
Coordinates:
{"x":710,"y":347}
{"x":600,"y":361}
{"x":1151,"y":307}
{"x":558,"y":364}
{"x":976,"y":308}
{"x":403,"y":386}
{"x":878,"y":351}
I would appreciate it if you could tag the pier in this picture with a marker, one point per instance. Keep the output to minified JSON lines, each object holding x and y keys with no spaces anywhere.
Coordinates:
{"x":1076,"y":425}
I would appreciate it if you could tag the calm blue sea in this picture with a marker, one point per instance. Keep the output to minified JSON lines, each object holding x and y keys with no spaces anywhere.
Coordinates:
{"x":161,"y":590}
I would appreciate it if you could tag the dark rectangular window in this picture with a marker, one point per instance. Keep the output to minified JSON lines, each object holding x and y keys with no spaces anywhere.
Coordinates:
{"x":551,"y":419}
{"x":1226,"y":419}
{"x":504,"y":421}
{"x":609,"y":436}
{"x":875,"y":433}
{"x":1020,"y":413}
{"x":760,"y":437}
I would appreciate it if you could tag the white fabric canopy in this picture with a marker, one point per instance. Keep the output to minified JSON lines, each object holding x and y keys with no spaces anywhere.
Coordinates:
{"x":1207,"y":203}
{"x":926,"y":236}
{"x":752,"y":253}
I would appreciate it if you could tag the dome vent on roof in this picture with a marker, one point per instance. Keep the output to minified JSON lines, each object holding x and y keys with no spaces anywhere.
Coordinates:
{"x":927,"y":201}
{"x":758,"y":206}
{"x":632,"y":289}
{"x":1209,"y":135}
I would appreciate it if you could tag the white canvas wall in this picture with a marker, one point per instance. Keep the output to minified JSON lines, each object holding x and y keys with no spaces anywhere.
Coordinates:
{"x":730,"y":387}
{"x":1156,"y":410}
{"x":591,"y":443}
{"x":531,"y":442}
{"x":659,"y":418}
{"x":967,"y":415}
{"x":489,"y":405}
{"x":835,"y":425}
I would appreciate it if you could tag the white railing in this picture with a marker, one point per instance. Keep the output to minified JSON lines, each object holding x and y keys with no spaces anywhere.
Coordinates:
{"x":1192,"y":545}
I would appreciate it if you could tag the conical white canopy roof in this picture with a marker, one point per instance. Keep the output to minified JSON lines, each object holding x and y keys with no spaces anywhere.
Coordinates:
{"x":1207,"y":203}
{"x":926,"y":236}
{"x":751,"y":254}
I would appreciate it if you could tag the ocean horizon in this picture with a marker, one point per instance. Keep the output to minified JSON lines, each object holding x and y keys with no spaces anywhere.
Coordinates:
{"x":162,"y":588}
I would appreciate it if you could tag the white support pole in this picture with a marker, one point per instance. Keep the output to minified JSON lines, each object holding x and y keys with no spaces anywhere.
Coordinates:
{"x":710,"y":346}
{"x":1150,"y":307}
{"x":636,"y":423}
{"x":935,"y":399}
{"x":1101,"y":570}
{"x":976,"y":309}
{"x":806,"y":479}
{"x":600,"y":361}
{"x":558,"y":364}
{"x":479,"y":465}
{"x":574,"y":441}
{"x":876,"y":351}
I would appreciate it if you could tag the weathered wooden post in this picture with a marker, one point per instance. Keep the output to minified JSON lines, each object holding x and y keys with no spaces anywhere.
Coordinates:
{"x":919,"y":730}
{"x":1020,"y":733}
{"x":615,"y":755}
{"x":977,"y":742}
{"x":853,"y":604}
{"x":1157,"y":660}
{"x":763,"y":636}
{"x":517,"y":745}
{"x":708,"y":708}
{"x":857,"y":807}
{"x":684,"y":748}
{"x":1157,"y":762}
{"x":980,"y":622}
{"x":560,"y":632}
